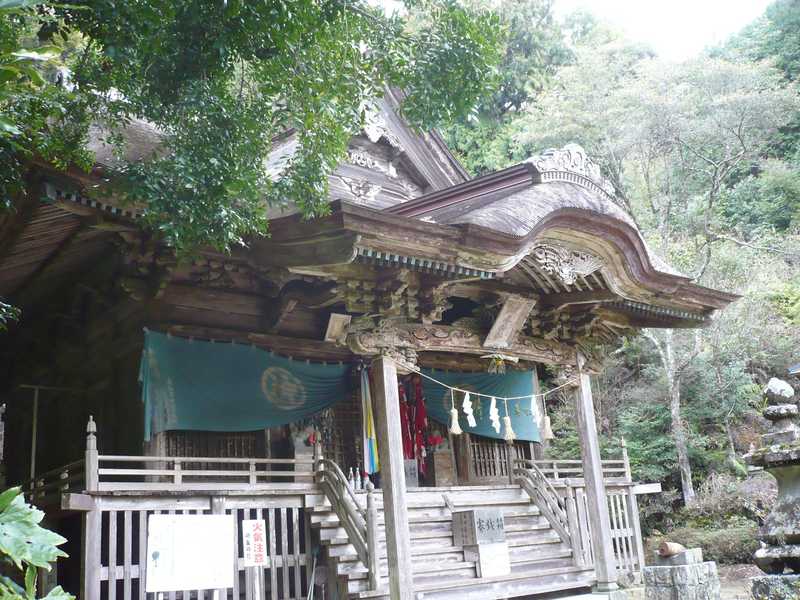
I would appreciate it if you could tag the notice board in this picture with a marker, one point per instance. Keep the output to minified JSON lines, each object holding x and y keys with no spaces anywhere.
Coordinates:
{"x":189,"y":552}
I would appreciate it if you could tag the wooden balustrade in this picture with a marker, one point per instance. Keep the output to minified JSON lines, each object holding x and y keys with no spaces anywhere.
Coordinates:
{"x":564,"y":479}
{"x":46,"y":488}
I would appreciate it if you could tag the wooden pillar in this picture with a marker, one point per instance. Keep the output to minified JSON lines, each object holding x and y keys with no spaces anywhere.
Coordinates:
{"x":393,"y":479}
{"x":538,"y":449}
{"x":602,"y":544}
{"x":92,"y":523}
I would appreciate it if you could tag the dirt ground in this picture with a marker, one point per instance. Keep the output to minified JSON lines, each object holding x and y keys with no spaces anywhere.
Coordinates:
{"x":735,"y":581}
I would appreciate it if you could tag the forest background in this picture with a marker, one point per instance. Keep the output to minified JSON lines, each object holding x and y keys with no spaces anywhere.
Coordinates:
{"x":705,"y":154}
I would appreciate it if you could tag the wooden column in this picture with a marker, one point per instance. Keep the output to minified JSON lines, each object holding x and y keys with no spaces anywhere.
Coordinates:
{"x":539,"y":448}
{"x":602,"y":544}
{"x":91,"y":534}
{"x":393,"y":479}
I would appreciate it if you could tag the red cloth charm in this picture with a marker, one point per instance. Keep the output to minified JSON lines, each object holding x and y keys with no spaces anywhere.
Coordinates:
{"x":420,"y":425}
{"x":405,"y":424}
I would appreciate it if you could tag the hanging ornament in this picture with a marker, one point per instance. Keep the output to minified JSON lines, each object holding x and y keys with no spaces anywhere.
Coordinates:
{"x":494,"y":415}
{"x":497,"y":362}
{"x":466,"y":406}
{"x":455,"y":428}
{"x":508,"y":431}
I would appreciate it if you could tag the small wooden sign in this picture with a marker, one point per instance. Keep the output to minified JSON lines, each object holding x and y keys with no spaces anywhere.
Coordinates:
{"x":412,"y":472}
{"x":254,"y":542}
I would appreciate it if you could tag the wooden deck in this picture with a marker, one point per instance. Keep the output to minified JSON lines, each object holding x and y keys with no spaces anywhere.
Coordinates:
{"x":313,"y":518}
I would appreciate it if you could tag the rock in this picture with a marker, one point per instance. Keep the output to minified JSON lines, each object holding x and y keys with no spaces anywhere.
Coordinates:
{"x":778,"y":391}
{"x":698,"y":581}
{"x":781,"y":411}
{"x":775,"y":587}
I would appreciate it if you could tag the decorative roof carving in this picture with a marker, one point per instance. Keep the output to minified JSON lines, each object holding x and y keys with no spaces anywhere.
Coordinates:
{"x":563,"y":263}
{"x":376,"y":127}
{"x":571,"y":163}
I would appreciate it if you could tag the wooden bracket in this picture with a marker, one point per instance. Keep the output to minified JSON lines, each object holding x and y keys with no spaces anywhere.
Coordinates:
{"x":509,"y":322}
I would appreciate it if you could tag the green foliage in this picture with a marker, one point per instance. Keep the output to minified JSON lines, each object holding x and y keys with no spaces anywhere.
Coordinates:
{"x":37,"y":119}
{"x":766,"y":201}
{"x":7,"y":313}
{"x":26,"y":546}
{"x":785,"y":297}
{"x":535,"y":47}
{"x":220,"y":81}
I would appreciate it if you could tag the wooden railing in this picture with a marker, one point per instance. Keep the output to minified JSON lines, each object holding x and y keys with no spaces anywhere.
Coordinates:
{"x":170,"y":473}
{"x":361,"y":524}
{"x":563,"y":469}
{"x":545,"y":497}
{"x":564,"y":480}
{"x":47,"y":487}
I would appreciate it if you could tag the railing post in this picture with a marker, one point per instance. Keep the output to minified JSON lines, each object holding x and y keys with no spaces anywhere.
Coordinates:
{"x":575,"y":536}
{"x":317,"y":457}
{"x":177,"y":476}
{"x":91,"y":462}
{"x":372,"y":539}
{"x":510,"y":461}
{"x":625,"y":460}
{"x":252,"y":472}
{"x":92,"y":522}
{"x":555,"y":470}
{"x":636,"y":527}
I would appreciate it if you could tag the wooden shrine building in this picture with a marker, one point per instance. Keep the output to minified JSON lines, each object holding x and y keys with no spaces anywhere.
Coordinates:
{"x":418,"y":275}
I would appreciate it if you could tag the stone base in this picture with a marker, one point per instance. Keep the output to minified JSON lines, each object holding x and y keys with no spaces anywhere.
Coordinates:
{"x":682,"y":582}
{"x":776,"y":587}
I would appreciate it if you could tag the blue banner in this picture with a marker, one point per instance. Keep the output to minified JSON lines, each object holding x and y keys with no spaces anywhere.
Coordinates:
{"x":508,"y":385}
{"x":219,"y":386}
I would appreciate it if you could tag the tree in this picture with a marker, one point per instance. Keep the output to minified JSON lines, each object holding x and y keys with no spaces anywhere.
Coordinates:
{"x":25,"y":546}
{"x":218,"y":81}
{"x":673,"y":139}
{"x":535,"y":48}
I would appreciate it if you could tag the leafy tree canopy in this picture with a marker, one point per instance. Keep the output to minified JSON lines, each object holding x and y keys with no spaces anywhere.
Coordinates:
{"x":220,"y":80}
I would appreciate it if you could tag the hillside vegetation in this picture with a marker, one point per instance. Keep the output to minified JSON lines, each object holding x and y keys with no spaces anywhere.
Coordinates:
{"x":705,"y":155}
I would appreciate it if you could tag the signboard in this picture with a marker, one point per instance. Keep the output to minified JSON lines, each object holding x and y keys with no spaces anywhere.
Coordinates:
{"x":412,"y":472}
{"x":189,"y":552}
{"x":254,"y":542}
{"x":478,"y":527}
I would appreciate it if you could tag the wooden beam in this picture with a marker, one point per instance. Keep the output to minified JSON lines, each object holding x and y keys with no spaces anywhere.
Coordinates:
{"x":296,"y":347}
{"x":444,"y":338}
{"x":509,"y":322}
{"x":602,"y":542}
{"x":560,"y":301}
{"x":393,"y":479}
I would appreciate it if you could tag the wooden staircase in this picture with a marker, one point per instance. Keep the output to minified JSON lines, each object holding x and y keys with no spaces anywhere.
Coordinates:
{"x":540,"y":561}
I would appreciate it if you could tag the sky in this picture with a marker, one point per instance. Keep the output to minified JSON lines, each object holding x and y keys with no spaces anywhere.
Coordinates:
{"x":676,"y":29}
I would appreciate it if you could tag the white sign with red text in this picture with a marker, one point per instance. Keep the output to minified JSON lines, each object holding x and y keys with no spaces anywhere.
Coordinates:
{"x":254,"y":542}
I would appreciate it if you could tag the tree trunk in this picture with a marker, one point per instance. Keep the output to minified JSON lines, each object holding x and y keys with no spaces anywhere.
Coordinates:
{"x":681,"y":445}
{"x":678,"y":429}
